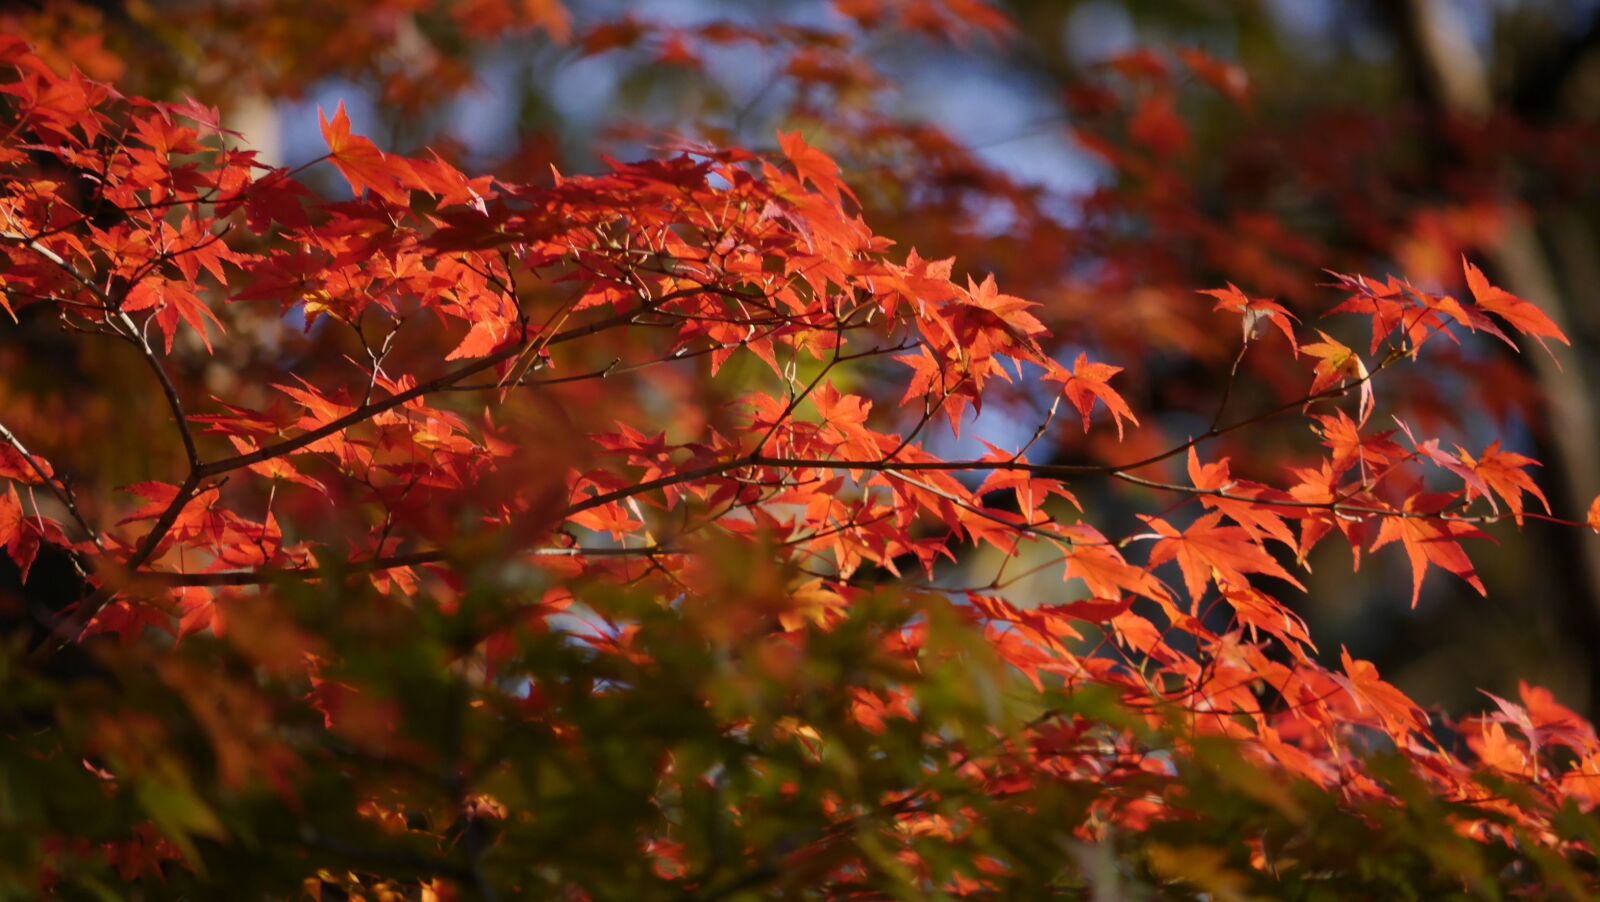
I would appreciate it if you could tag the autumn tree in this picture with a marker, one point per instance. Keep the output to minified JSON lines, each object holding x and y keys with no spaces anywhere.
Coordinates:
{"x":458,"y":532}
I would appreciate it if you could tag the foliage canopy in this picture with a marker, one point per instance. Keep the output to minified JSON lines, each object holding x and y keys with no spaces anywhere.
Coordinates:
{"x":600,"y":536}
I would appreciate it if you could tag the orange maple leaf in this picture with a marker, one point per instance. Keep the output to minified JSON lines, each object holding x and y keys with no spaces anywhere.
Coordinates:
{"x":1208,"y":550}
{"x":1527,"y":318}
{"x":1087,"y":382}
{"x":1254,"y":310}
{"x":361,"y":163}
{"x":1394,"y":708}
{"x":1338,"y":365}
{"x":1256,"y":519}
{"x":1430,"y":540}
{"x":814,"y":166}
{"x":1102,"y":568}
{"x":1503,"y":472}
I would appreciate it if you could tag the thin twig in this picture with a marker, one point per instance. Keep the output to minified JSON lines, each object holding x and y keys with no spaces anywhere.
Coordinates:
{"x":61,"y":492}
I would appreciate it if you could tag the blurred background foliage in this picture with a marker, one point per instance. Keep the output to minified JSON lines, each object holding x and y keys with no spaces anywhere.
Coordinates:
{"x":223,"y":766}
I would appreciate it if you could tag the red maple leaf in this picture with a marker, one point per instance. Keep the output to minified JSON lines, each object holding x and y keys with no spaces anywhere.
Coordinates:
{"x":362,"y":164}
{"x":1504,"y":472}
{"x":1086,"y":383}
{"x":1398,"y":713}
{"x":1525,"y":317}
{"x":1208,"y":550}
{"x":814,"y":166}
{"x":1430,"y":539}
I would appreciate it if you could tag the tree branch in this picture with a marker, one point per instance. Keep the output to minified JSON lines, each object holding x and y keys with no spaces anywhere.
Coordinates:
{"x":168,"y":389}
{"x":267,"y":575}
{"x":60,"y":492}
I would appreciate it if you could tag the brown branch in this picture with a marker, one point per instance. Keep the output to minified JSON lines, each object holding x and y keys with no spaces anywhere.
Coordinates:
{"x":898,"y":469}
{"x":267,"y":575}
{"x":61,"y":492}
{"x":60,"y":262}
{"x":126,"y":326}
{"x":168,"y":389}
{"x":201,"y":471}
{"x":357,"y":416}
{"x":901,"y":468}
{"x":180,"y":201}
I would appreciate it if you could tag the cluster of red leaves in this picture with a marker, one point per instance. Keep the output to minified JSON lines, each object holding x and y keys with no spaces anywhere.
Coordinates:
{"x":142,"y":224}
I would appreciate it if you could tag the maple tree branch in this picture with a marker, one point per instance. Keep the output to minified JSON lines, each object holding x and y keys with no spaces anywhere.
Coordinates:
{"x":146,"y":549}
{"x":187,"y":491}
{"x":898,"y":469}
{"x":127,"y":326}
{"x":168,"y":389}
{"x":1215,"y":431}
{"x":61,"y":492}
{"x":367,"y":411}
{"x":60,"y":262}
{"x":266,"y":575}
{"x":615,"y":368}
{"x":1337,"y":506}
{"x":178,"y":201}
{"x":797,"y":398}
{"x":1033,"y":528}
{"x":1227,"y":387}
{"x":361,"y":414}
{"x":357,"y":416}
